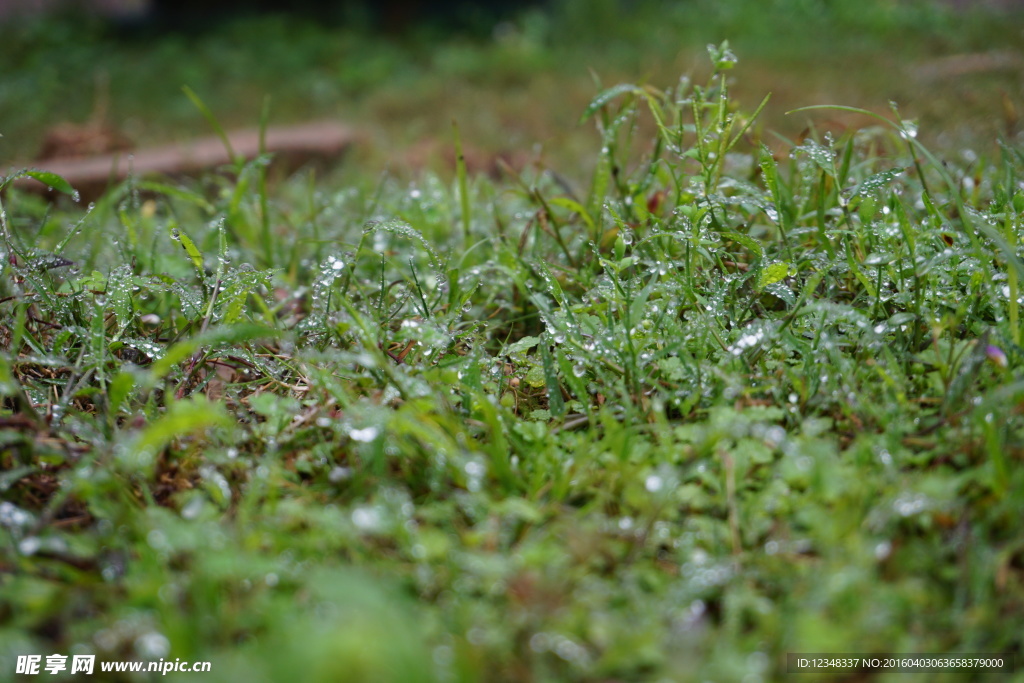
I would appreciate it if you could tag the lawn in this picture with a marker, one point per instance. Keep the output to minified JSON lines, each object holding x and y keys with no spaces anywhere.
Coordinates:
{"x":696,"y":398}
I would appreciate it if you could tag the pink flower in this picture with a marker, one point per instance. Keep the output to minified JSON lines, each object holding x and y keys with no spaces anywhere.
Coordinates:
{"x":996,"y":355}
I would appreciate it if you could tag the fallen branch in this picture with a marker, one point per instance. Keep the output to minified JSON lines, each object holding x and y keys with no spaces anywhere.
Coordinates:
{"x":292,"y":147}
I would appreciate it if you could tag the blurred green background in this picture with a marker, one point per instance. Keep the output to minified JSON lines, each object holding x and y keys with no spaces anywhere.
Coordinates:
{"x":515,"y":79}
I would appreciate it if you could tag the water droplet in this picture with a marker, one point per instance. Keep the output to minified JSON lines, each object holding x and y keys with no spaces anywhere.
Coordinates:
{"x":364,"y":435}
{"x":339,"y":474}
{"x":152,"y":645}
{"x":367,"y":518}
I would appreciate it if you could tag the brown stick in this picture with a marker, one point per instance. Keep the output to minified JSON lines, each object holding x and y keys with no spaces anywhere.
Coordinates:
{"x":291,"y":145}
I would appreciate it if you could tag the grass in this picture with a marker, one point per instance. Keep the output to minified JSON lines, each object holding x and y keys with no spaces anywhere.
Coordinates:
{"x":722,"y":404}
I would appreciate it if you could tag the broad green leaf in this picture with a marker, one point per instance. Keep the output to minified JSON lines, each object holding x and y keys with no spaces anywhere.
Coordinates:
{"x":823,"y":157}
{"x":524,"y":344}
{"x":52,"y":180}
{"x":782,"y":291}
{"x":752,"y":245}
{"x":771,"y":273}
{"x":194,"y":255}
